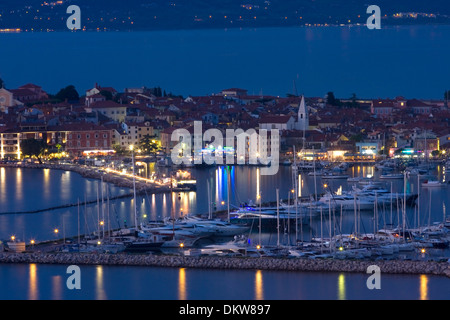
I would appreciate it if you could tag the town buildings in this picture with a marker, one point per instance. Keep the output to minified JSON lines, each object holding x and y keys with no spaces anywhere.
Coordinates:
{"x":105,"y":119}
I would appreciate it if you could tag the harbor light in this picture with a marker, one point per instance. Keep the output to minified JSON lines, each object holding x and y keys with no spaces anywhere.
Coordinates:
{"x":13,"y":238}
{"x":181,"y":245}
{"x":222,"y":203}
{"x":102,"y":223}
{"x":423,"y":250}
{"x":258,"y":246}
{"x":99,"y":242}
{"x":341,"y":248}
{"x":56,"y":231}
{"x":32,"y":242}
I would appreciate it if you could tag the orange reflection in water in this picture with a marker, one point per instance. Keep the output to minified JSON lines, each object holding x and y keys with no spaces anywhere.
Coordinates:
{"x":182,"y":294}
{"x":100,"y":291}
{"x":259,"y":287}
{"x":33,"y":285}
{"x":423,"y":287}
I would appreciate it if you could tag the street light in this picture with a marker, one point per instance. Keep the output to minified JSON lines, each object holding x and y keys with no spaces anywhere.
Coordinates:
{"x":134,"y":187}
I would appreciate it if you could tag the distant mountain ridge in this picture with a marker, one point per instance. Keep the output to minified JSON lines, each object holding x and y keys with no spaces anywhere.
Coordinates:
{"x":187,"y":14}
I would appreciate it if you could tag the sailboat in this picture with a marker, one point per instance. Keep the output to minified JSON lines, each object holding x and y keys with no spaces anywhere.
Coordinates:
{"x":141,"y":243}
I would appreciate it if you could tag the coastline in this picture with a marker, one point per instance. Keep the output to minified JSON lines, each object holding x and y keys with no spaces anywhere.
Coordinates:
{"x":247,"y":263}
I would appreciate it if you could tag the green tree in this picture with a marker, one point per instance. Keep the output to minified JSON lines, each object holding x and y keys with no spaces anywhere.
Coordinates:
{"x":331,"y":99}
{"x":68,"y":93}
{"x":33,"y":148}
{"x":119,"y":149}
{"x":148,"y":144}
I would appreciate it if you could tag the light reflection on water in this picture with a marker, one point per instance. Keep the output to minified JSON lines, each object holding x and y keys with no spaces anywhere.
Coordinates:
{"x":48,"y":282}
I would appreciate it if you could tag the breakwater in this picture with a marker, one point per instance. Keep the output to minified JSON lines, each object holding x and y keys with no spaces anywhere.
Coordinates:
{"x":249,"y":263}
{"x":96,"y":173}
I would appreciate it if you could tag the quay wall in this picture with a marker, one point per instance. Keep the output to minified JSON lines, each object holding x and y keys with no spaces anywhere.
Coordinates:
{"x":247,"y":263}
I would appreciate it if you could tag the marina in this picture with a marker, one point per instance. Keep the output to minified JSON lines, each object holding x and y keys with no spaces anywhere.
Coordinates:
{"x":242,"y":231}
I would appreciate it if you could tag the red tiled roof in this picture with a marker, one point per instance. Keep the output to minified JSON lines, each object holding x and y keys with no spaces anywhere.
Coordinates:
{"x":275,"y":119}
{"x":107,"y":104}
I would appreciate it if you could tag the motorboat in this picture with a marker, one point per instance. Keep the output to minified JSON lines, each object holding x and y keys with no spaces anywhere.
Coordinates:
{"x":346,"y":202}
{"x":392,"y":176}
{"x":330,"y":175}
{"x":217,"y":227}
{"x":433,"y":184}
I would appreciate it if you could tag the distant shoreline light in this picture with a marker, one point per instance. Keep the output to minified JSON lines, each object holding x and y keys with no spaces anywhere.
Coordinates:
{"x":10,"y":30}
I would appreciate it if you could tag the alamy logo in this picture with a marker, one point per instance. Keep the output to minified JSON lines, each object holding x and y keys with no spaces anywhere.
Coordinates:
{"x":374,"y":281}
{"x":256,"y":145}
{"x":374,"y":21}
{"x":74,"y":21}
{"x":74,"y":280}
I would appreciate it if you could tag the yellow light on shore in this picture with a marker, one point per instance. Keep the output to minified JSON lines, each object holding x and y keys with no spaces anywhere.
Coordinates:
{"x":32,"y":241}
{"x":181,"y":245}
{"x":341,"y":249}
{"x":131,"y":147}
{"x":102,"y":223}
{"x":56,"y":231}
{"x":13,"y":238}
{"x":258,"y":247}
{"x":423,"y":250}
{"x":99,"y":243}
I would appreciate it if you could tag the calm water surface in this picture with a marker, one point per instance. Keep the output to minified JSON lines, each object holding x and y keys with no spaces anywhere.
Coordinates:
{"x":28,"y":189}
{"x":48,"y":282}
{"x":394,"y":61}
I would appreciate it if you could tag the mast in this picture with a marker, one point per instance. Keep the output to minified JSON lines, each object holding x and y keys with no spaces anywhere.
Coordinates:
{"x":78,"y":224}
{"x":295,"y":175}
{"x":107,"y":205}
{"x":134,"y":189}
{"x":278,"y":218}
{"x":404,"y":206}
{"x":289,"y":218}
{"x":228,"y":193}
{"x":329,"y":218}
{"x":209,"y":200}
{"x":260,"y":226}
{"x":418,"y":201}
{"x":103,"y":211}
{"x":98,"y":215}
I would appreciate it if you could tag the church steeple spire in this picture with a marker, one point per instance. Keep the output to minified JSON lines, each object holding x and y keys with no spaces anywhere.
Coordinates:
{"x":302,"y":116}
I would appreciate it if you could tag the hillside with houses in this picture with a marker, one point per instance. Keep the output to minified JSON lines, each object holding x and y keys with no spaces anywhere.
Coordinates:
{"x":106,"y":120}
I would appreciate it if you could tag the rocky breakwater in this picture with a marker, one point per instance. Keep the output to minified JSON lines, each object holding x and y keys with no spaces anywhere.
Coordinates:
{"x":263,"y":263}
